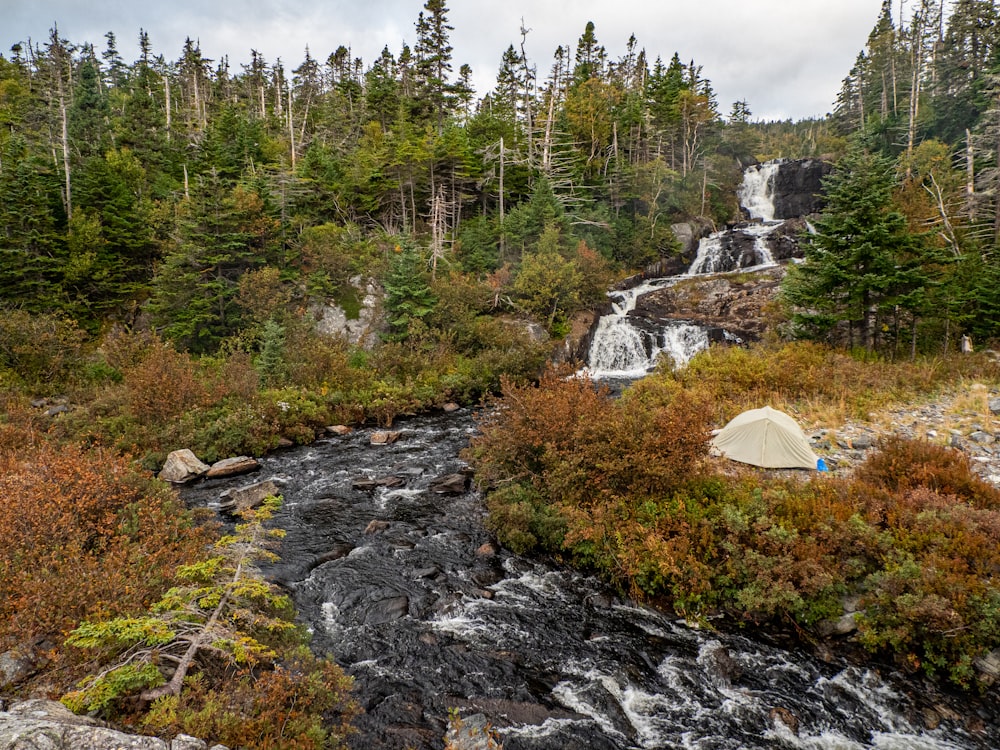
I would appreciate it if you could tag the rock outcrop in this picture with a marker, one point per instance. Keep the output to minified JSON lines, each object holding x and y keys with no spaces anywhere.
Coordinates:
{"x":797,"y":186}
{"x":735,"y":303}
{"x":361,"y":329}
{"x":50,"y":725}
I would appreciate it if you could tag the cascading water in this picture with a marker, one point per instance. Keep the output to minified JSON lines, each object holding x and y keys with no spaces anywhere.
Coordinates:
{"x":756,"y":194}
{"x":621,"y":348}
{"x":400,"y":585}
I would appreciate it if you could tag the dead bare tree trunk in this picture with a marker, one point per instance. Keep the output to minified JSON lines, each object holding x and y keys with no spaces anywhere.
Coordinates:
{"x":291,"y":124}
{"x":970,"y":177}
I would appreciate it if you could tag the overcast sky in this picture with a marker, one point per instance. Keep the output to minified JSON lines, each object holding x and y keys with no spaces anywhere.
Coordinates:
{"x":786,"y":58}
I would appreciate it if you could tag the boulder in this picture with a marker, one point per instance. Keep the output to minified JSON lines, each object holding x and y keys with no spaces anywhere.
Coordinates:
{"x":988,"y":667}
{"x":230,"y":467}
{"x":16,"y":666}
{"x":384,"y":437}
{"x":835,"y":626}
{"x":339,"y":429}
{"x":368,"y":485}
{"x":250,"y":496}
{"x":182,"y":466}
{"x":862,"y":442}
{"x":994,"y":405}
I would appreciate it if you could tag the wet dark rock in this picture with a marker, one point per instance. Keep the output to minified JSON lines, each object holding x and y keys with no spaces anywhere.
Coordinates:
{"x":387,"y":610}
{"x":596,"y":698}
{"x":488,"y":577}
{"x":719,"y":664}
{"x":450,"y":484}
{"x":335,"y":554}
{"x":931,"y":718}
{"x":368,"y":485}
{"x":797,"y":187}
{"x":727,"y":303}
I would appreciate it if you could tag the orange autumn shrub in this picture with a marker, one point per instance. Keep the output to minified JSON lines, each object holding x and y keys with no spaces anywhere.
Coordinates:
{"x":902,"y":465}
{"x":84,"y":535}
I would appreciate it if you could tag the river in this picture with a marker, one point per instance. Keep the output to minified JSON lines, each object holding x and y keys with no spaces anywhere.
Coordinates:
{"x":405,"y":588}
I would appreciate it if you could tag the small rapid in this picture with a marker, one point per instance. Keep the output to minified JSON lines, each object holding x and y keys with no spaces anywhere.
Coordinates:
{"x":402,"y":585}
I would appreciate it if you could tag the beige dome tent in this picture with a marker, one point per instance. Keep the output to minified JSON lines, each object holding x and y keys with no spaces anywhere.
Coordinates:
{"x":765,"y":437}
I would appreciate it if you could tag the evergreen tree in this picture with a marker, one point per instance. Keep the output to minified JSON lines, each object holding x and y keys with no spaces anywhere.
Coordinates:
{"x":858,"y":264}
{"x":408,"y":294}
{"x":433,"y":53}
{"x":224,"y":234}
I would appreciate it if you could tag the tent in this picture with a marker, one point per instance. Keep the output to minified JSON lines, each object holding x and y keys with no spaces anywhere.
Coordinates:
{"x":765,"y":437}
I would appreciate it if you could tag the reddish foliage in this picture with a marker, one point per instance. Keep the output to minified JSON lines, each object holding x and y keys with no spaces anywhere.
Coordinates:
{"x":902,"y":465}
{"x":84,"y":535}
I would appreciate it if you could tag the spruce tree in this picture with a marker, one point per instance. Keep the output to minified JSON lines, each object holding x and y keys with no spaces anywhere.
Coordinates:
{"x":861,"y":260}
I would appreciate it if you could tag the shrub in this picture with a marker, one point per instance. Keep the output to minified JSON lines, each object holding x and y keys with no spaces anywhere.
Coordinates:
{"x":303,"y":703}
{"x":41,"y":349}
{"x":163,"y":385}
{"x":85,"y":535}
{"x":902,"y":465}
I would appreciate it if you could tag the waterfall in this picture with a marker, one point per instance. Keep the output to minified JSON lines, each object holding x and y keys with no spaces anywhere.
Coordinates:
{"x":756,"y":194}
{"x":622,"y":349}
